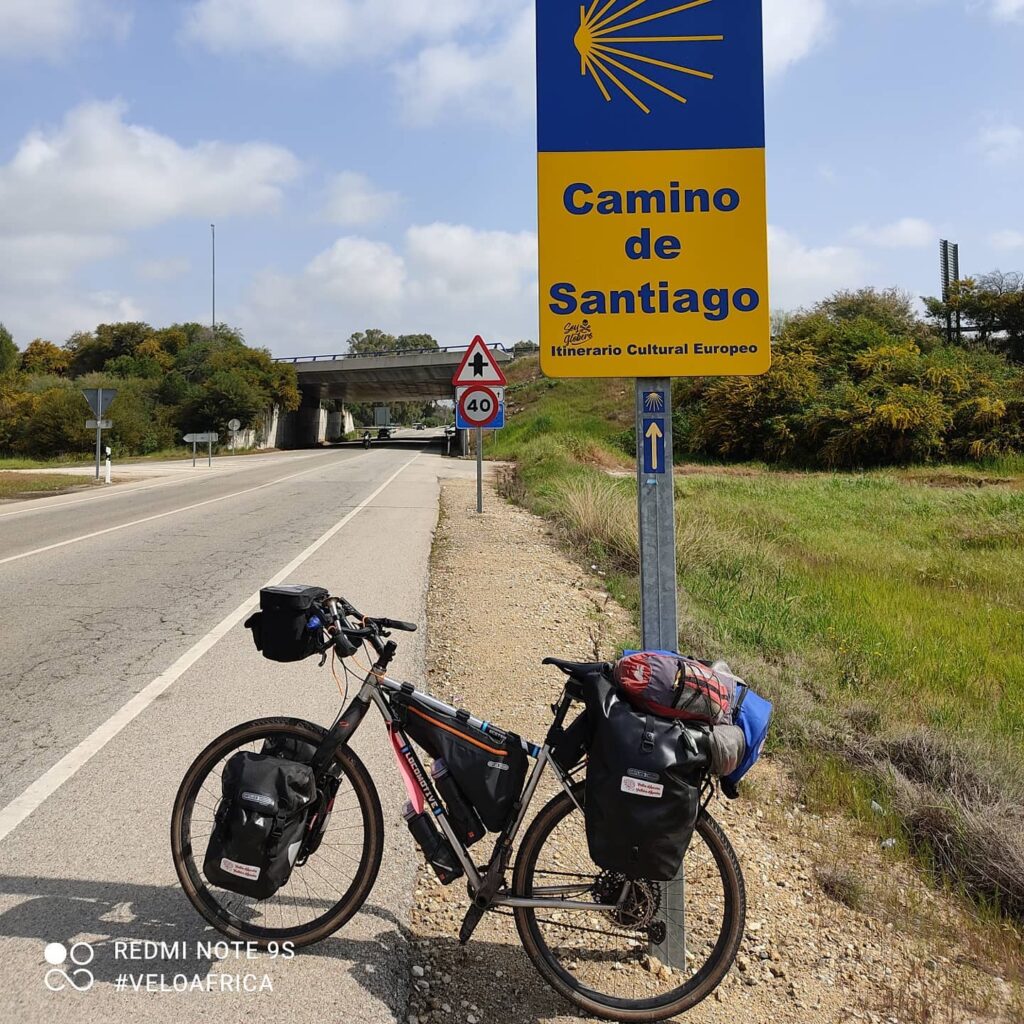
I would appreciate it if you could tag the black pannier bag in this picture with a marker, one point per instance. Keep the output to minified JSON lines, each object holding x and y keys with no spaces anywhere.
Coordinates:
{"x":488,"y":767}
{"x":260,"y":823}
{"x":281,"y":628}
{"x":294,"y":749}
{"x":643,"y":786}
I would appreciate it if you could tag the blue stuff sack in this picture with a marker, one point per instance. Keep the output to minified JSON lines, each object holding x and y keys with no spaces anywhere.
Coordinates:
{"x":752,"y":714}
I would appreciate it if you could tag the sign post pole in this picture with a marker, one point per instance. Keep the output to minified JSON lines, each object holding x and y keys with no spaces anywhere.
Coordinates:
{"x":193,"y":455}
{"x":659,"y":626}
{"x":479,"y":469}
{"x":209,"y":454}
{"x":99,"y":431}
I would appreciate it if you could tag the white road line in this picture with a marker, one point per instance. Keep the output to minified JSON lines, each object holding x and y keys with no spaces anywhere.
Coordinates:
{"x":122,"y":489}
{"x":169,"y":512}
{"x":52,"y":779}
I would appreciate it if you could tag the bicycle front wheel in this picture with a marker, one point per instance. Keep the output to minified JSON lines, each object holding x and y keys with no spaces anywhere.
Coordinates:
{"x":605,"y":961}
{"x":325,"y":890}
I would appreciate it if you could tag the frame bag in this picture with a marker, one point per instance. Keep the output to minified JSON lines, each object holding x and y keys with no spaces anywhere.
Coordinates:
{"x":488,"y":765}
{"x":644,"y":777}
{"x":260,"y":823}
{"x":286,"y":627}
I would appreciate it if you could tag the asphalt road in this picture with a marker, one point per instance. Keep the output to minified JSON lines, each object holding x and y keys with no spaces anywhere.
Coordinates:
{"x":122,"y":653}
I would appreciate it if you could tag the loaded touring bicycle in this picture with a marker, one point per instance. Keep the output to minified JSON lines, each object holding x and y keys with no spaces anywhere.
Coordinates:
{"x":626,"y":893}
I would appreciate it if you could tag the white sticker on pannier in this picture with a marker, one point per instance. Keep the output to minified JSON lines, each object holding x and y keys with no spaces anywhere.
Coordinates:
{"x":641,"y":788}
{"x":232,"y":867}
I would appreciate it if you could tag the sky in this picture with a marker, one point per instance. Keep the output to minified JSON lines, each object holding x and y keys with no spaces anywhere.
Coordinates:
{"x":372,"y":163}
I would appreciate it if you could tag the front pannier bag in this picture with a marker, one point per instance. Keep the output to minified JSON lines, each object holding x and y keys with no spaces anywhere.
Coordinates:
{"x":283,"y":629}
{"x":643,"y":784}
{"x":488,"y":767}
{"x":259,"y":824}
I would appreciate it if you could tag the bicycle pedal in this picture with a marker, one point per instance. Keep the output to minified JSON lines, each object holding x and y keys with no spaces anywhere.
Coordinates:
{"x":473,"y":917}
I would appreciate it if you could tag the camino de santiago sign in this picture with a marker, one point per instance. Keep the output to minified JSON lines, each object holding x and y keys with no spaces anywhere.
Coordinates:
{"x":653,"y":237}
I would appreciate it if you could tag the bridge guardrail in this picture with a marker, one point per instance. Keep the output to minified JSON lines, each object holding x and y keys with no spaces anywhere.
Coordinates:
{"x":382,"y":355}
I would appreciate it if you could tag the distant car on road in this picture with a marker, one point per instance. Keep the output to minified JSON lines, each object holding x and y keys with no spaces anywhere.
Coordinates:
{"x":419,"y":426}
{"x":383,"y":433}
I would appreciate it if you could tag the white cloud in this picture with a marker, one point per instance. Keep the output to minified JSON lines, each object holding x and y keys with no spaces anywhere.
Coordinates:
{"x":98,"y":173}
{"x":163,"y":270}
{"x":449,"y":280}
{"x":353,"y":200}
{"x":800,"y":274}
{"x":358,"y":271}
{"x":70,"y":194}
{"x":1001,"y":143}
{"x":491,"y":80}
{"x":330,"y":32}
{"x":906,"y":233}
{"x":1007,"y":239}
{"x":792,"y":29}
{"x":30,"y":28}
{"x":1007,"y":10}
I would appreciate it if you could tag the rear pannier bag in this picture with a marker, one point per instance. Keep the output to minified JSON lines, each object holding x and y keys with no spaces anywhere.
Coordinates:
{"x":644,"y":777}
{"x":282,"y":629}
{"x":671,"y":686}
{"x":259,"y":824}
{"x":489,"y":767}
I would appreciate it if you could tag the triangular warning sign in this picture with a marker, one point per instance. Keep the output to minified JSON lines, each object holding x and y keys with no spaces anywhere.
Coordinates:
{"x":478,"y":366}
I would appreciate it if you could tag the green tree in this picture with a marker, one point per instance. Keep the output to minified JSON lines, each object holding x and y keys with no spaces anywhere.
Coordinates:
{"x":43,"y":357}
{"x":56,"y":425}
{"x":8,"y":351}
{"x":991,"y":312}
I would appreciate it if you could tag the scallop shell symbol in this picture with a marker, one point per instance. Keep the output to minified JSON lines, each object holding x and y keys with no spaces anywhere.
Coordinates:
{"x":599,"y":42}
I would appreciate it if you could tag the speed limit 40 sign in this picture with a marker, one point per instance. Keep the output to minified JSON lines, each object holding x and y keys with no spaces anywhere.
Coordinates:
{"x":479,"y":406}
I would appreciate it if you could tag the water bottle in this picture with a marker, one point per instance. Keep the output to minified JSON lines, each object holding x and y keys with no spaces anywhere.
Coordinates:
{"x":465,"y":821}
{"x":435,"y":847}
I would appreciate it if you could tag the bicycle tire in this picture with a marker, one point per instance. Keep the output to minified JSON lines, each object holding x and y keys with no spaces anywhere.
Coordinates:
{"x":697,"y":988}
{"x":189,"y":873}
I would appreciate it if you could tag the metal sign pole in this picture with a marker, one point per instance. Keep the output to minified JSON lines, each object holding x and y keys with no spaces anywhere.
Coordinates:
{"x":209,"y":454}
{"x":659,"y":625}
{"x":193,"y":455}
{"x":479,"y":469}
{"x":99,"y":430}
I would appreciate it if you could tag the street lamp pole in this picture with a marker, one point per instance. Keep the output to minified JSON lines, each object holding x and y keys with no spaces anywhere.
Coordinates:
{"x":213,"y":277}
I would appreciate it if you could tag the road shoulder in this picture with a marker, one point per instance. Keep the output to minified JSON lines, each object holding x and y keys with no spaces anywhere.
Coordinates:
{"x":905,"y":953}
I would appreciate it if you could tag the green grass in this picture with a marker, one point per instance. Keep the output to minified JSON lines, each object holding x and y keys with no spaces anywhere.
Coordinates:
{"x":882,"y":612}
{"x":82,"y":459}
{"x":24,"y":485}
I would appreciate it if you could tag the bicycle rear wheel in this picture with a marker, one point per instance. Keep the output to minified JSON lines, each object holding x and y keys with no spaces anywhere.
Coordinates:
{"x":324,"y":891}
{"x":600,"y":960}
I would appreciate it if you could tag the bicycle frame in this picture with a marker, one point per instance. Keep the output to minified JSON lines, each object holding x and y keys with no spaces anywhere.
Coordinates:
{"x":373,"y":692}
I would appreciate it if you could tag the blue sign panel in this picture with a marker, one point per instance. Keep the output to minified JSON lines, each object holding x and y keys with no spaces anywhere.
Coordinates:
{"x":497,"y":424}
{"x":647,"y":75}
{"x":654,"y":445}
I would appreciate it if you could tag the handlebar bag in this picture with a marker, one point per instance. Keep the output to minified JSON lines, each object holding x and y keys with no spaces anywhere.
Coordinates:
{"x":281,"y":628}
{"x":259,"y":824}
{"x":644,"y":776}
{"x":488,"y":765}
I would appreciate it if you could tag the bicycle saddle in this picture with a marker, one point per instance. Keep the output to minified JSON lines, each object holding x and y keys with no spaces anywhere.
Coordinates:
{"x":577,"y":668}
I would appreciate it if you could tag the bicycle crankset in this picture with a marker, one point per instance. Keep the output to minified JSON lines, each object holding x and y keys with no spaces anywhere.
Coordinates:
{"x":638,"y":909}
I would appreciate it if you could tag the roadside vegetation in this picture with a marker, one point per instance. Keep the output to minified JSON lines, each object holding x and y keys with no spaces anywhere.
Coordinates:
{"x":39,"y":485}
{"x":169,"y":381}
{"x":881,"y":607}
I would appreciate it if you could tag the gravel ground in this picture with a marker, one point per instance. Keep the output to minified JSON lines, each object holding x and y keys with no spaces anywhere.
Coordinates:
{"x":503,"y":596}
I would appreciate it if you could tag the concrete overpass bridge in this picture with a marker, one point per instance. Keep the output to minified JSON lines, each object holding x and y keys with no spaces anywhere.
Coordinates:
{"x":419,"y":375}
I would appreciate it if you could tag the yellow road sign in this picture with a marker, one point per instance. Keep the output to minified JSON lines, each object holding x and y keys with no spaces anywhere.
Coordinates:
{"x":651,"y":173}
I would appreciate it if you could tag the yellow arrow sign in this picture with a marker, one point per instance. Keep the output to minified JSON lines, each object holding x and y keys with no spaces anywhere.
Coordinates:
{"x":654,"y":434}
